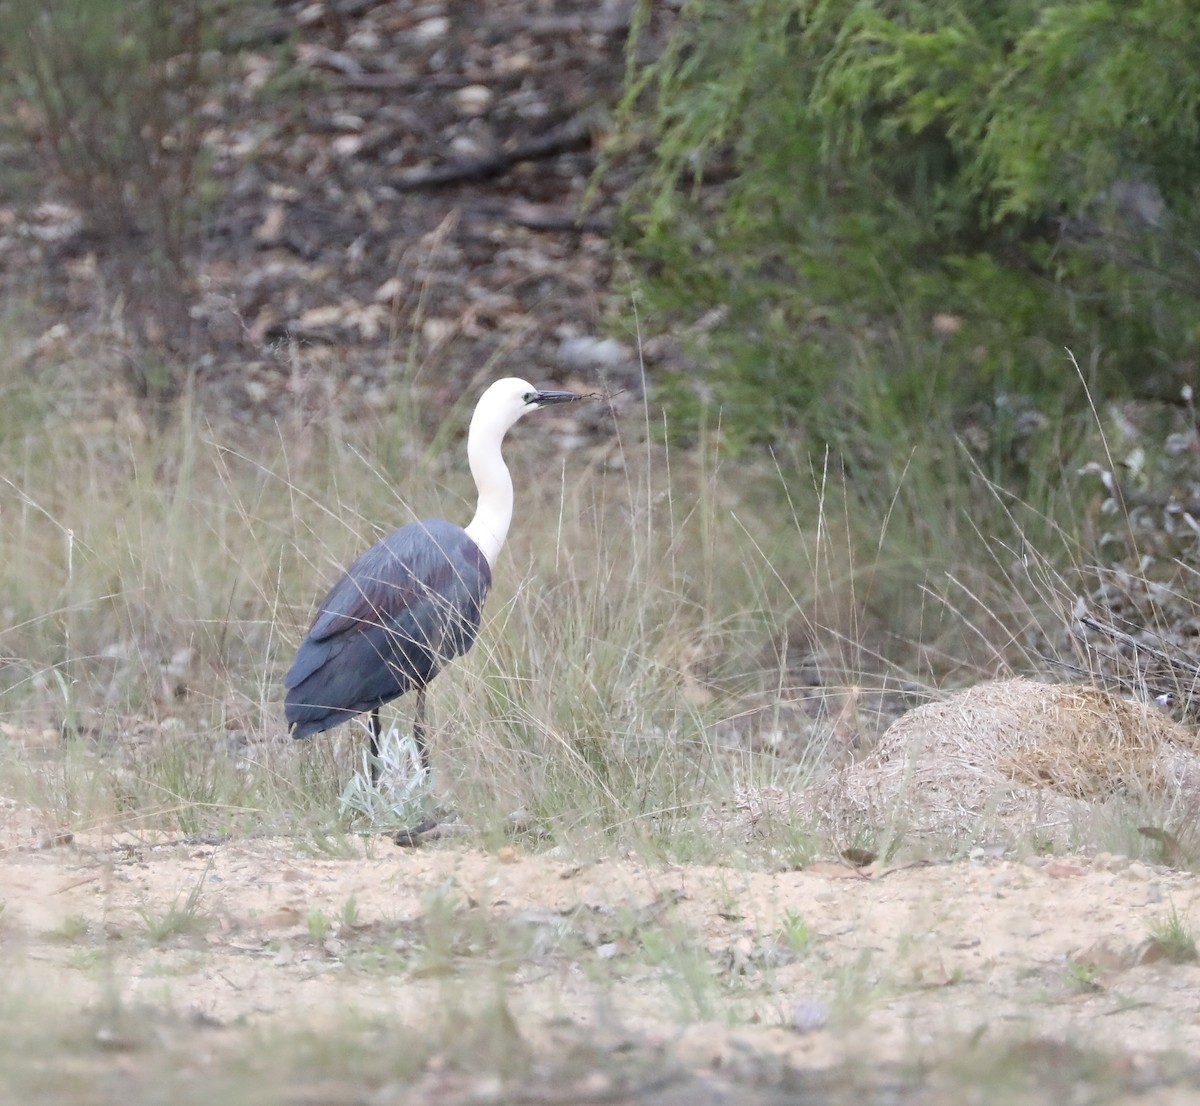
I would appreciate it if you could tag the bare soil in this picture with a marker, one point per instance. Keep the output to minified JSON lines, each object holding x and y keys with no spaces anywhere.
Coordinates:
{"x":679,"y":979}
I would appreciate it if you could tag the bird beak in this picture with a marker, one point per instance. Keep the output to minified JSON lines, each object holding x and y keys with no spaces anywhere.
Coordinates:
{"x":545,"y":399}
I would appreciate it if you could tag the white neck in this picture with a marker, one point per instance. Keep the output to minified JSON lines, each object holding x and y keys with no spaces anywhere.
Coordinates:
{"x":489,"y":527}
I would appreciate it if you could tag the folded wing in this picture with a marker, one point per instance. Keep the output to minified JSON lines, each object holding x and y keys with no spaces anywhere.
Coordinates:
{"x":406,"y":606}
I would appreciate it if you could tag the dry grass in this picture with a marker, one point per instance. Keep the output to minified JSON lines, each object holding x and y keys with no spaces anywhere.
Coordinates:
{"x":1017,"y":762}
{"x":668,"y":636}
{"x":155,"y":587}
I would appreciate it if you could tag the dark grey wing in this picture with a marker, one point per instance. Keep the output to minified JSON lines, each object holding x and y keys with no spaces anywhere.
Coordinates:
{"x":406,"y":606}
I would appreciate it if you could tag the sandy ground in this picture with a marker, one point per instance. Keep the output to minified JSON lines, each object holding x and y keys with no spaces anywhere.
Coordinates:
{"x":813,"y":970}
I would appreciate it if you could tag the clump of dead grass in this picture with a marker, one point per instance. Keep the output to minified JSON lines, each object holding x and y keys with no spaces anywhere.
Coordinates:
{"x":1014,"y":760}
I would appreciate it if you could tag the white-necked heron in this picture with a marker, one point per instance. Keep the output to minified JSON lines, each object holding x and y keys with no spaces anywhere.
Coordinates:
{"x":412,"y":601}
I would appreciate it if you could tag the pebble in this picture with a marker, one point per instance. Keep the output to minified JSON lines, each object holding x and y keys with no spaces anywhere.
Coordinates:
{"x":430,"y":29}
{"x":591,"y":353}
{"x":1137,"y":870}
{"x":808,"y":1017}
{"x":474,"y":99}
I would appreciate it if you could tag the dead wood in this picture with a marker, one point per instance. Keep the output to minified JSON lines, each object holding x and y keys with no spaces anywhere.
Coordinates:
{"x":542,"y":217}
{"x":574,"y":133}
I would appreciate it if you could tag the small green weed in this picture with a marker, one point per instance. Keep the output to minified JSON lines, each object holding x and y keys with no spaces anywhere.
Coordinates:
{"x":85,"y":960}
{"x":327,"y":844}
{"x":688,"y":972}
{"x":180,"y":918}
{"x":1175,"y":937}
{"x":74,"y":927}
{"x":855,"y":983}
{"x":793,"y":933}
{"x":317,"y":925}
{"x":1082,"y":978}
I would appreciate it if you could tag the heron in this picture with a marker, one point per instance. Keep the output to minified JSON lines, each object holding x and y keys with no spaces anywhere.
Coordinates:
{"x":414,"y":600}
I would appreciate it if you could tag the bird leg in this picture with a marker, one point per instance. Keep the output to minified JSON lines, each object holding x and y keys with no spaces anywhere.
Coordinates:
{"x":419,"y":731}
{"x":374,"y":746}
{"x":442,"y":822}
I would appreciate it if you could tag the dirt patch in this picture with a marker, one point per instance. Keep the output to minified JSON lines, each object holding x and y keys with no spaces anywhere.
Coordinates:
{"x":803,"y":972}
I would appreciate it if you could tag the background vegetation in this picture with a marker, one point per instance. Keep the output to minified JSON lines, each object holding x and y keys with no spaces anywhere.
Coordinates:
{"x":900,"y":214}
{"x":117,"y":90}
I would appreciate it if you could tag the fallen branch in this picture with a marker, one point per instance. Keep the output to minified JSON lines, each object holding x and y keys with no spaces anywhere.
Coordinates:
{"x":1187,"y":667}
{"x":396,"y":80}
{"x":519,"y":213}
{"x":575,"y":132}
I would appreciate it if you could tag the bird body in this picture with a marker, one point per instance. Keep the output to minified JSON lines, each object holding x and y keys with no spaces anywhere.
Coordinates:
{"x":405,"y":607}
{"x":414,"y":600}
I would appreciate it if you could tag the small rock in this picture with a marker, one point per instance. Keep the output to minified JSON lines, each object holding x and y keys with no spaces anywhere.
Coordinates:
{"x":316,"y":318}
{"x":390,"y":290}
{"x":1137,"y":870}
{"x":945,"y":324}
{"x":807,"y":1017}
{"x":435,"y":331}
{"x":1150,"y":952}
{"x":474,"y":99}
{"x":468,"y":147}
{"x":591,"y":353}
{"x":347,"y":145}
{"x":430,"y":29}
{"x":310,"y":15}
{"x":273,"y":222}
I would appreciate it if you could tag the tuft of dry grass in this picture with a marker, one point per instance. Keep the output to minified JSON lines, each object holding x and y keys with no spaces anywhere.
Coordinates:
{"x":1016,"y":761}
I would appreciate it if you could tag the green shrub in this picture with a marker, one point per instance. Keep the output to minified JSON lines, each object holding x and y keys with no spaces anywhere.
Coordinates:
{"x":906,"y":210}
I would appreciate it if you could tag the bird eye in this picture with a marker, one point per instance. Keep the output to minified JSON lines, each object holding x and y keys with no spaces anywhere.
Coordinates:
{"x":530,"y":397}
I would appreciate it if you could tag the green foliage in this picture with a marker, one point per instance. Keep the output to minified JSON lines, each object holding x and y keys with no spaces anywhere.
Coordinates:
{"x":1082,"y":978}
{"x":1175,"y":937}
{"x":794,"y":934}
{"x":905,"y":209}
{"x":317,"y":925}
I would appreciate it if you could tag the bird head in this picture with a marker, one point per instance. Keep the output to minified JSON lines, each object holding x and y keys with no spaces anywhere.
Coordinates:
{"x":507,"y":400}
